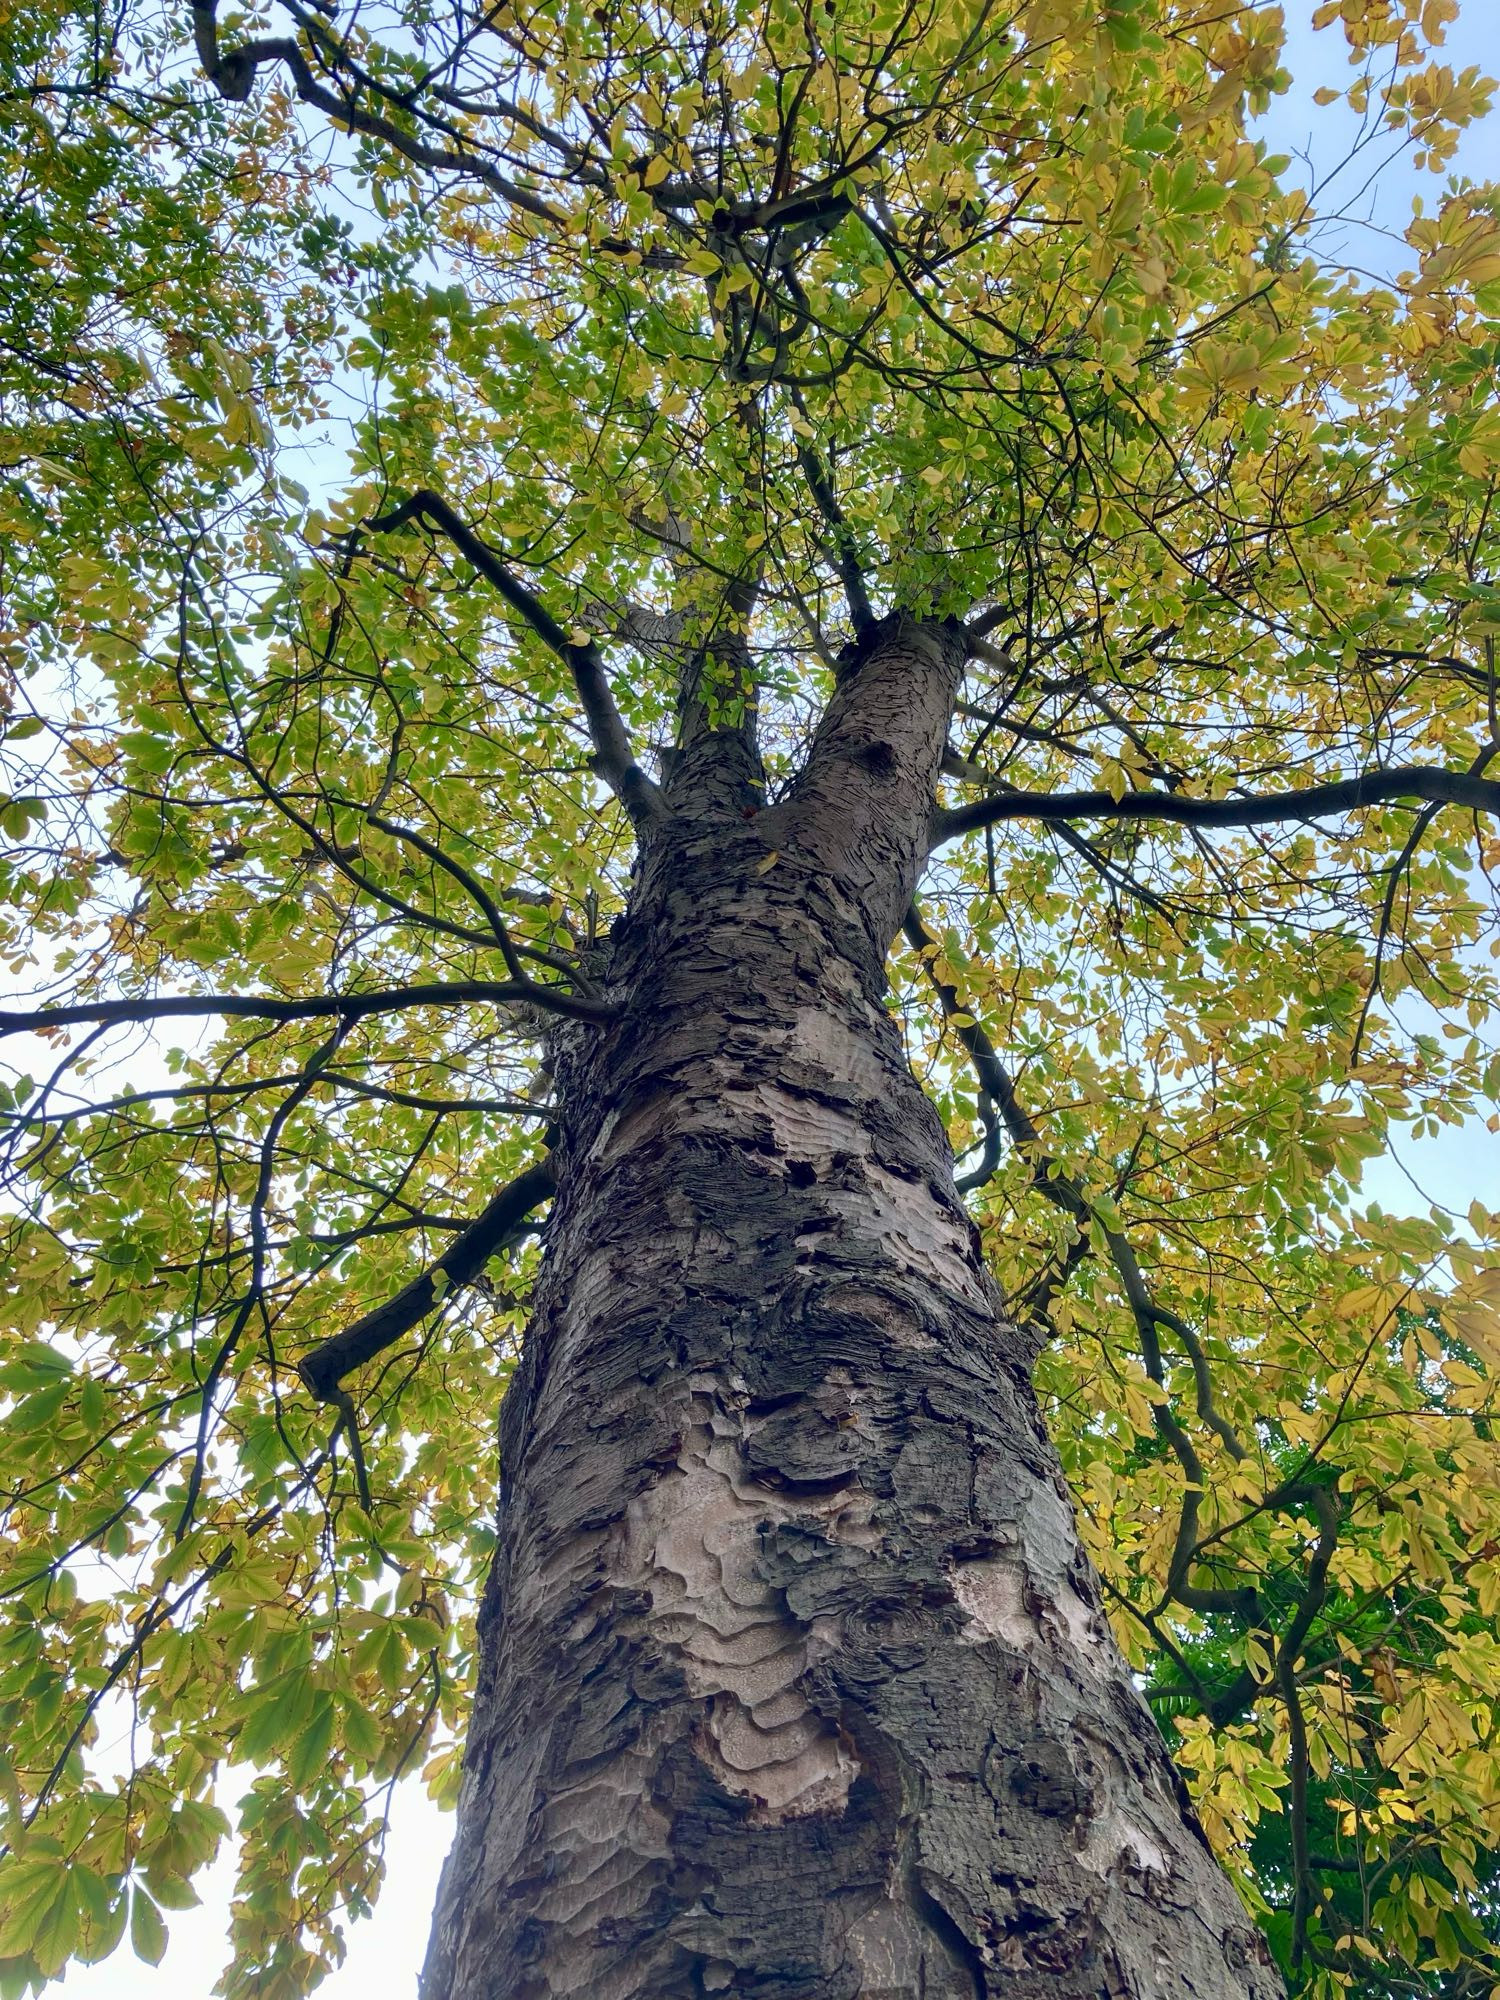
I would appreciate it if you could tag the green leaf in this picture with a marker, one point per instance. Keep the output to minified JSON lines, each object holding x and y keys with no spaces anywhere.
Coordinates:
{"x":28,"y":1891}
{"x":310,"y":1751}
{"x":57,"y":1927}
{"x":148,"y":1934}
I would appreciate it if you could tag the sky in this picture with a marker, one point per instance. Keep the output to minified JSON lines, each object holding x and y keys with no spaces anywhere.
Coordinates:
{"x":385,"y":1950}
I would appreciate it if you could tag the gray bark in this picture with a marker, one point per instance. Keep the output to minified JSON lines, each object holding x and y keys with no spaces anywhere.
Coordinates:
{"x":795,"y":1680}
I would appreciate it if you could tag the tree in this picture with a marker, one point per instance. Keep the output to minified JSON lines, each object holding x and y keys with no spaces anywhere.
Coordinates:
{"x":891,"y":599}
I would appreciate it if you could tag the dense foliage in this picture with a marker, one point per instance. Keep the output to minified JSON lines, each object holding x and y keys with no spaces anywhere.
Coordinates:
{"x":688,"y":324}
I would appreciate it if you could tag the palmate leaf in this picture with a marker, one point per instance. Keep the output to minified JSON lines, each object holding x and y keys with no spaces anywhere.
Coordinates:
{"x":318,"y":806}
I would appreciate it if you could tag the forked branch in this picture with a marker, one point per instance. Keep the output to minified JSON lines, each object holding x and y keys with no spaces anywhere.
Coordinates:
{"x":613,"y":757}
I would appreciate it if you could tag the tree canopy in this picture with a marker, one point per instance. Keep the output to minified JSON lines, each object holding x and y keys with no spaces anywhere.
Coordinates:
{"x":408,"y":413}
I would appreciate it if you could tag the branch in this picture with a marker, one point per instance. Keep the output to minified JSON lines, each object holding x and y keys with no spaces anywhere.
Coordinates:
{"x":73,"y":1114}
{"x":652,"y":631}
{"x":846,"y":557}
{"x":494,"y":1228}
{"x":613,"y":756}
{"x":997,"y":1093}
{"x":1304,"y":1903}
{"x":1064,"y":1192}
{"x":255,"y":1287}
{"x":1372,"y":788}
{"x":317,"y":1006}
{"x":233,"y":75}
{"x":465,"y":877}
{"x":1397,"y":869}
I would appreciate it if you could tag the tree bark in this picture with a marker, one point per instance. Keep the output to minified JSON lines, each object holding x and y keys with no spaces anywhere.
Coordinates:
{"x":795,"y":1680}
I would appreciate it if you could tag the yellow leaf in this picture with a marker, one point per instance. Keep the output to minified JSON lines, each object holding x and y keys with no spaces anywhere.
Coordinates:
{"x":1478,"y":1327}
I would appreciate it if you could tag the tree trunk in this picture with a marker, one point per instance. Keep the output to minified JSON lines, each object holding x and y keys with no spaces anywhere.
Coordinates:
{"x":795,"y":1680}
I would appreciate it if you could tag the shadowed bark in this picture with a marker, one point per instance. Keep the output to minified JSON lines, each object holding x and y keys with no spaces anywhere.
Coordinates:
{"x":795,"y":1680}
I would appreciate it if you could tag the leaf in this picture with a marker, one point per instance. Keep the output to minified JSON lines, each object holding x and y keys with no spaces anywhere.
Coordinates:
{"x":28,"y":1892}
{"x":103,"y":1925}
{"x":310,"y":1751}
{"x":57,"y":1927}
{"x":272,"y":1722}
{"x":148,"y":1934}
{"x":171,"y":1891}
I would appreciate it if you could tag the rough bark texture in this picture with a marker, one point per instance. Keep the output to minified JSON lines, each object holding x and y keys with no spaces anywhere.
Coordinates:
{"x":795,"y":1680}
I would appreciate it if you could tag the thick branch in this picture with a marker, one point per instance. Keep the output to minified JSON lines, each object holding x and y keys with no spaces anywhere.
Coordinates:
{"x":317,"y":1006}
{"x":494,"y":1228}
{"x":613,"y":756}
{"x":861,"y":803}
{"x":1372,"y":788}
{"x":72,"y":1114}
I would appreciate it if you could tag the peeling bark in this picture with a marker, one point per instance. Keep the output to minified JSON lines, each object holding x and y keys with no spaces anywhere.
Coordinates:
{"x":795,"y":1680}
